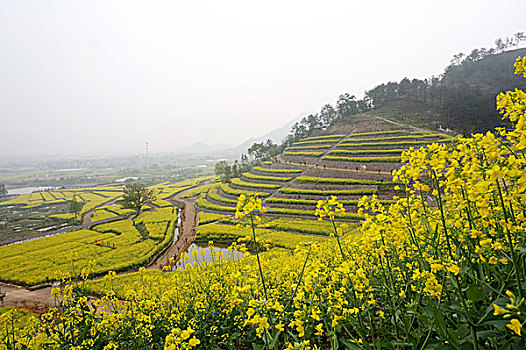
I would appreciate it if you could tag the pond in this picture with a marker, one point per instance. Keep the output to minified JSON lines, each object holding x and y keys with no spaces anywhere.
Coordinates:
{"x":201,"y":252}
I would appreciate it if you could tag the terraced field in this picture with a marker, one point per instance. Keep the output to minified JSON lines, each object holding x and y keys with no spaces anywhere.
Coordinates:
{"x":348,"y":166}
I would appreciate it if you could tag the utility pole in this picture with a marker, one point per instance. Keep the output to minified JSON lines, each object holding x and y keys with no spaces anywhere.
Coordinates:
{"x":147,"y":158}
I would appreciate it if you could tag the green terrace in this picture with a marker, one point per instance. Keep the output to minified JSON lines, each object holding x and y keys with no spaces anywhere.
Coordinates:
{"x":204,"y":203}
{"x":344,"y":152}
{"x":313,"y":202}
{"x":339,"y":137}
{"x":277,"y":171}
{"x":327,"y":193}
{"x":316,"y":142}
{"x":388,"y":132}
{"x":390,"y":144}
{"x":238,"y":182}
{"x":229,"y":234}
{"x":303,"y":154}
{"x":337,"y":181}
{"x":393,"y":159}
{"x":266,"y":178}
{"x":395,"y":138}
{"x":235,"y":192}
{"x":308,"y":147}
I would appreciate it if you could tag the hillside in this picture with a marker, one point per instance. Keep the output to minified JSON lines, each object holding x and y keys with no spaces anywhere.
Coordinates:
{"x":348,"y":161}
{"x":462,"y":99}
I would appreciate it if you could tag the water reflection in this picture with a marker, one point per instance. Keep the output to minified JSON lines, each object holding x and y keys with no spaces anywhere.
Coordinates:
{"x":200,"y":252}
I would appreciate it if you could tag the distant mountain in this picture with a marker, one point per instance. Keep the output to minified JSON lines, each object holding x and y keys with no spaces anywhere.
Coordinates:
{"x":276,"y":135}
{"x":200,"y":148}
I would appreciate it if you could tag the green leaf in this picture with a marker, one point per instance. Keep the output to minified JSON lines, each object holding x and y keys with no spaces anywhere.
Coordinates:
{"x":474,"y":293}
{"x":453,"y":336}
{"x":350,"y":345}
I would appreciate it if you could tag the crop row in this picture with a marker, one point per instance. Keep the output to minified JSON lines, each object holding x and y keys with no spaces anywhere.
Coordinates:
{"x":102,"y":214}
{"x":228,"y":234}
{"x":303,"y":154}
{"x":323,"y":137}
{"x":214,"y":195}
{"x":197,"y":191}
{"x":394,"y":159}
{"x":313,"y":227}
{"x":335,"y":181}
{"x":206,"y":218}
{"x":335,"y":192}
{"x":316,"y":142}
{"x":390,"y":144}
{"x":365,"y":151}
{"x":277,"y":171}
{"x":388,"y":132}
{"x":299,"y":148}
{"x":313,"y":202}
{"x":266,"y":178}
{"x":300,"y":212}
{"x":238,"y":182}
{"x":235,"y":192}
{"x":395,"y":138}
{"x":205,"y":204}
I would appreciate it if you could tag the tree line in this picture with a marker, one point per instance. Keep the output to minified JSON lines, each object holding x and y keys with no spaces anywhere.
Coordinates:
{"x":462,"y":106}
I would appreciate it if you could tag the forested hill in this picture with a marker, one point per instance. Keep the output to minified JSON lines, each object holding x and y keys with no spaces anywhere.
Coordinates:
{"x":463,"y":98}
{"x":492,"y":72}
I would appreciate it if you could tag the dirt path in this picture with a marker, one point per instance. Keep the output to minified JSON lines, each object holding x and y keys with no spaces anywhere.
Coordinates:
{"x":189,"y":222}
{"x":39,"y":299}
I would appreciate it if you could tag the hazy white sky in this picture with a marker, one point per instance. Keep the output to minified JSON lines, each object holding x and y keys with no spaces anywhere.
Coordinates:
{"x":106,"y":76}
